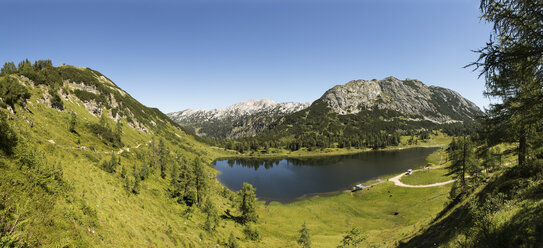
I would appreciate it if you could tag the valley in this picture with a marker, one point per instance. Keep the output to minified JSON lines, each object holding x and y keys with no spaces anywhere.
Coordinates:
{"x":447,"y":153}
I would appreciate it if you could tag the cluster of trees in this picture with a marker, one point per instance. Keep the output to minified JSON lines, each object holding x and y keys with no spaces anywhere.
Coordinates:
{"x":512,"y":66}
{"x":12,"y":93}
{"x":314,"y":141}
{"x":104,"y":130}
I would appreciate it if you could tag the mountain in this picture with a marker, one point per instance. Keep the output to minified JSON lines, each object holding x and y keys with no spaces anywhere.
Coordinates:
{"x":411,"y":99}
{"x":242,"y":119}
{"x":83,"y":164}
{"x":373,"y":114}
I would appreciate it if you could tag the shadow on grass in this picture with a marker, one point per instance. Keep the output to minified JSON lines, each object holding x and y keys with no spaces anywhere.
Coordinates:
{"x":228,"y":216}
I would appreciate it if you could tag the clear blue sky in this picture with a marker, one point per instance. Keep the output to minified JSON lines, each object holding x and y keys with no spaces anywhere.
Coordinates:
{"x":208,"y":54}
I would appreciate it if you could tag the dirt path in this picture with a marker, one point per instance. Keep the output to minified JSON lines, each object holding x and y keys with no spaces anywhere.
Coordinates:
{"x":397,"y":182}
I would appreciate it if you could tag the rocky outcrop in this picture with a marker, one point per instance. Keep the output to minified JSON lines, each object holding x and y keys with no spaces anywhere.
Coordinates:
{"x":409,"y":97}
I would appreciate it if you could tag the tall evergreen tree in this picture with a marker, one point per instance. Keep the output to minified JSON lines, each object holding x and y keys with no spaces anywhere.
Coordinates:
{"x":162,"y":157}
{"x":212,"y":217}
{"x":200,"y":180}
{"x":305,"y":238}
{"x":73,"y":122}
{"x":511,"y":63}
{"x":247,"y":203}
{"x":463,"y":160}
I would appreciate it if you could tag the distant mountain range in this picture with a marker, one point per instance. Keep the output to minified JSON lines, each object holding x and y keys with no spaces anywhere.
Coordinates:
{"x":405,"y":103}
{"x":242,"y":119}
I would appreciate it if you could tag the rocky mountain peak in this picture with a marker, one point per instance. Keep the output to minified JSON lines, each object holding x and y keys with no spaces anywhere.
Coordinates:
{"x":410,"y":97}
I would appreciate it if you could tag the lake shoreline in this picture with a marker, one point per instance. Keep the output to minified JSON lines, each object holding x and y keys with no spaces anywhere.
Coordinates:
{"x":311,"y":154}
{"x":249,"y":169}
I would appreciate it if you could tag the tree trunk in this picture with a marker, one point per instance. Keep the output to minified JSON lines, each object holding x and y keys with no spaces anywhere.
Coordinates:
{"x":522,"y":149}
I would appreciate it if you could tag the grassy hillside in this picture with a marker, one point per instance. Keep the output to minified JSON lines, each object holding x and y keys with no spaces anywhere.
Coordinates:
{"x":504,"y":210}
{"x":62,"y":186}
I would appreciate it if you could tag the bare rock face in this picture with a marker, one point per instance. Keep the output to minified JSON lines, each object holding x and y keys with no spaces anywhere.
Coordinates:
{"x":409,"y":97}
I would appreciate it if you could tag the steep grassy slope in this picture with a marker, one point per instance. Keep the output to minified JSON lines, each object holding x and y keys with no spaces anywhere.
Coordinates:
{"x":503,"y":210}
{"x":58,"y":187}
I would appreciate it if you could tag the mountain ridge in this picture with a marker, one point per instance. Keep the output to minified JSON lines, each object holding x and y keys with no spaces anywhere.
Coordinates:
{"x":245,"y":118}
{"x":409,"y":97}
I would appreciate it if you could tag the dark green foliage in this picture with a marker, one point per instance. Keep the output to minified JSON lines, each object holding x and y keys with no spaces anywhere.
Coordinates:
{"x":352,"y":239}
{"x":189,"y":198}
{"x":110,"y":165}
{"x":12,"y":93}
{"x":123,"y":172}
{"x":107,"y":135}
{"x":247,"y":203}
{"x":56,"y":101}
{"x":251,"y":232}
{"x":181,"y":185}
{"x":8,"y":138}
{"x":305,"y":238}
{"x":200,"y":180}
{"x":144,"y":171}
{"x":511,"y":63}
{"x":162,"y":158}
{"x":73,"y":122}
{"x":463,"y":160}
{"x":136,"y":187}
{"x":212,"y":217}
{"x":232,"y":241}
{"x":8,"y":68}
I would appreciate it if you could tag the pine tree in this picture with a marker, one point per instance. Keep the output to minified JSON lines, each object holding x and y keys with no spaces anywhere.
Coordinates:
{"x":123,"y":172}
{"x":8,"y":68}
{"x":463,"y":159}
{"x":162,"y":157}
{"x":200,"y":180}
{"x":73,"y":122}
{"x":511,"y":64}
{"x":212,"y":217}
{"x":136,"y":187}
{"x":305,"y":238}
{"x":247,"y":204}
{"x":353,"y":239}
{"x":232,"y":241}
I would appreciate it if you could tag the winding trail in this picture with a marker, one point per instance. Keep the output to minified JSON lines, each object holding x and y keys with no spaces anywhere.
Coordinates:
{"x":397,"y":182}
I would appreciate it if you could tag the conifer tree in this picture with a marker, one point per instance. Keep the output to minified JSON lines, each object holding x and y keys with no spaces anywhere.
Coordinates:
{"x":73,"y":122}
{"x":511,"y":63}
{"x":352,"y":239}
{"x":247,"y":203}
{"x":212,"y":217}
{"x":200,"y":180}
{"x":463,"y":160}
{"x":232,"y":241}
{"x":305,"y":238}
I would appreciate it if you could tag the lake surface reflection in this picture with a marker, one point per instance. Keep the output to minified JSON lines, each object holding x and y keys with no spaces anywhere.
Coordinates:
{"x":288,"y":179}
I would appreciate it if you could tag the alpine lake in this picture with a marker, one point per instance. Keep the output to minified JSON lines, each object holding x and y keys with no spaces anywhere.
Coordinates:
{"x":290,"y":179}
